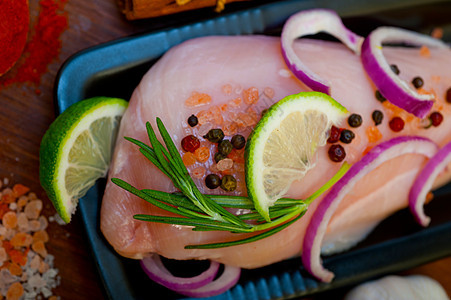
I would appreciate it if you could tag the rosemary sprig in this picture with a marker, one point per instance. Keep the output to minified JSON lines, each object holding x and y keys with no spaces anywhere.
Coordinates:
{"x":207,"y":212}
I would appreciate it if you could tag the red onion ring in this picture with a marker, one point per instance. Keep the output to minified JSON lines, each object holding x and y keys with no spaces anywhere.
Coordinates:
{"x":228,"y":278}
{"x":322,"y":215}
{"x":311,"y":22}
{"x":393,"y":88}
{"x":424,"y":182}
{"x":154,"y":268}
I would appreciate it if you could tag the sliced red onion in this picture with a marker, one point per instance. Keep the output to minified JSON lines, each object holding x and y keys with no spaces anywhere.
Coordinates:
{"x":223,"y":283}
{"x":311,"y":22}
{"x":393,"y":88}
{"x":322,"y":215}
{"x":424,"y":182}
{"x":154,"y":268}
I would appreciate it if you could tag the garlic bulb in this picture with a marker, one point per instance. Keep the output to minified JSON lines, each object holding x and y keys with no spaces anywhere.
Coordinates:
{"x":415,"y":287}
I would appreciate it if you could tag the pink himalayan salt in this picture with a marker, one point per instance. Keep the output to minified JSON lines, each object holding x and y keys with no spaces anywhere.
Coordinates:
{"x":33,"y":209}
{"x":224,"y":164}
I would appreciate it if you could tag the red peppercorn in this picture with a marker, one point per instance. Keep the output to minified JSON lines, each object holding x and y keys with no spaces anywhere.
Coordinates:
{"x":396,"y":124}
{"x":337,"y":153}
{"x":190,"y":143}
{"x":436,"y":118}
{"x":334,"y":135}
{"x":448,"y":95}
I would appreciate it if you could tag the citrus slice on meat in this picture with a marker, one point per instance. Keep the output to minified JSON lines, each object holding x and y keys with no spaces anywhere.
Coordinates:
{"x":280,"y":150}
{"x":76,"y":150}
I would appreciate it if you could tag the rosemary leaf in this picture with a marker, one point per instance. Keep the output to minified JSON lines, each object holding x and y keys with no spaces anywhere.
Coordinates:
{"x":174,"y":199}
{"x":213,"y":225}
{"x":246,"y":240}
{"x":173,"y":151}
{"x":126,"y":186}
{"x":160,"y":152}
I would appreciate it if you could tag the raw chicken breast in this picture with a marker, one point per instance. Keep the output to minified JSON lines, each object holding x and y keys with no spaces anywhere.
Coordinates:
{"x":225,"y":68}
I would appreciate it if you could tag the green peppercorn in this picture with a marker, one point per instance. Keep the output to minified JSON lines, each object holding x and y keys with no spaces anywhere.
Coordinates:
{"x":214,"y":135}
{"x":238,"y":141}
{"x":219,"y":156}
{"x":417,"y":82}
{"x":346,"y":136}
{"x":377,"y":116}
{"x":379,"y":97}
{"x":212,"y":181}
{"x":192,"y":121}
{"x":228,"y":183}
{"x":355,"y":120}
{"x":225,"y":147}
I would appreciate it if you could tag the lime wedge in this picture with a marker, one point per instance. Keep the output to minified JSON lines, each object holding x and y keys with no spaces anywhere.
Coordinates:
{"x":76,"y":150}
{"x":281,"y":148}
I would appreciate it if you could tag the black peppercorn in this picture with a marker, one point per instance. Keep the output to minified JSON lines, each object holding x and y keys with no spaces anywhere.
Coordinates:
{"x":377,"y":116}
{"x":346,"y":136}
{"x":238,"y":141}
{"x":228,"y":183}
{"x":225,"y":147}
{"x":337,"y":153}
{"x":395,"y":69}
{"x":417,"y":82}
{"x":192,"y":121}
{"x":355,"y":120}
{"x":214,"y":135}
{"x":379,"y":97}
{"x":212,"y":181}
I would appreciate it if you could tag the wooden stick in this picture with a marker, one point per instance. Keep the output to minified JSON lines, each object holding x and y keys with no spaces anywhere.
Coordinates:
{"x":141,"y":9}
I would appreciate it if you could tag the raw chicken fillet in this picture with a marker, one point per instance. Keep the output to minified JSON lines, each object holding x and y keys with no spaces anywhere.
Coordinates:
{"x":224,"y":68}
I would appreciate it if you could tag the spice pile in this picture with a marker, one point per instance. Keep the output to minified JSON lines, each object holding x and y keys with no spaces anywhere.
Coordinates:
{"x":42,"y":47}
{"x":214,"y":141}
{"x":26,"y":268}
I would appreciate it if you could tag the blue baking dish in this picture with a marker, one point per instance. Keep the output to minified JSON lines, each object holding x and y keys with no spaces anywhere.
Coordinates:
{"x":115,"y":69}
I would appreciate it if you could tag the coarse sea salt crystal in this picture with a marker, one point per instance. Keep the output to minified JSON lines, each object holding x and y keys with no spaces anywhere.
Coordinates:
{"x":33,"y":209}
{"x":3,"y":255}
{"x":22,"y":222}
{"x":2,"y":230}
{"x":13,"y":206}
{"x":36,"y":281}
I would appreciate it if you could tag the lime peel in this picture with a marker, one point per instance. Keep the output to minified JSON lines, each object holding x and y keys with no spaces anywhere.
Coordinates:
{"x":89,"y":129}
{"x":280,"y":149}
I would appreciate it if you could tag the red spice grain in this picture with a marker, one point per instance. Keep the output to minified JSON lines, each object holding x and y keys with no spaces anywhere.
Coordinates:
{"x":197,"y":99}
{"x":15,"y":269}
{"x":20,"y":190}
{"x":14,"y":16}
{"x":9,"y":219}
{"x":373,"y":134}
{"x":44,"y":45}
{"x":250,"y":95}
{"x":202,"y":154}
{"x":15,"y":291}
{"x":188,"y":159}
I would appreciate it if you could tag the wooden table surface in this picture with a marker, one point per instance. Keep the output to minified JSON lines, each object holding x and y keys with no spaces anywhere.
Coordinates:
{"x":25,"y":116}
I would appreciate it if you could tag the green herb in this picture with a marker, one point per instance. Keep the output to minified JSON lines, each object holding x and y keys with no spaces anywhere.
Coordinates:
{"x":207,"y":212}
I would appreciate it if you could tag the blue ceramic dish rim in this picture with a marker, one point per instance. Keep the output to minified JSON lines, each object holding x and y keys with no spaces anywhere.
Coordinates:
{"x":71,"y":84}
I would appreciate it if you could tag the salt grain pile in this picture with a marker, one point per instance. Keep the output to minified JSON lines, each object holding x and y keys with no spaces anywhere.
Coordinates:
{"x":26,"y":270}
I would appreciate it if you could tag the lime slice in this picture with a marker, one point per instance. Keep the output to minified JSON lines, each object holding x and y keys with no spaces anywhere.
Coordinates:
{"x":76,"y":150}
{"x":281,"y":148}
